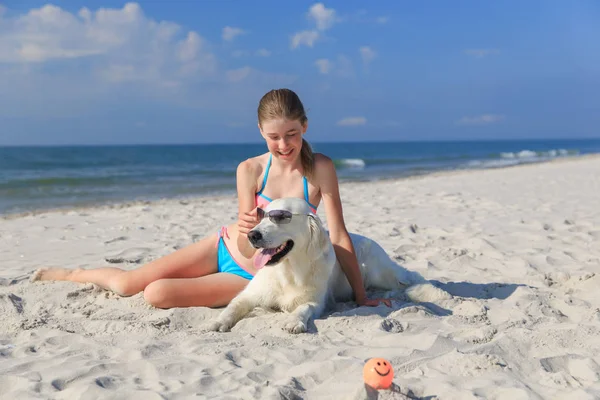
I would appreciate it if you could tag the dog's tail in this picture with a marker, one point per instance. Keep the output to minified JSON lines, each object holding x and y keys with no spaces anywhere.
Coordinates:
{"x":388,"y":274}
{"x":394,"y":275}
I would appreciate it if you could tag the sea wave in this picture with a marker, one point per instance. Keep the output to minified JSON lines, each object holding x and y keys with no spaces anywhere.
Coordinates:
{"x":521,"y":157}
{"x":493,"y":163}
{"x":539,"y":154}
{"x":350,"y":163}
{"x":402,"y":161}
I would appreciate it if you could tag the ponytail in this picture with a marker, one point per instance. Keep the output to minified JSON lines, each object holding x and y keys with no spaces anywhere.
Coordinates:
{"x":307,"y":158}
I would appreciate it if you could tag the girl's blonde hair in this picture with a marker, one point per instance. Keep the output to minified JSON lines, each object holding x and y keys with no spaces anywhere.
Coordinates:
{"x":284,"y":103}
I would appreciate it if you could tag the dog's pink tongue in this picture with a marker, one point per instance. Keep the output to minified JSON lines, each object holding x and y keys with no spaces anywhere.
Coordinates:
{"x":263,"y":258}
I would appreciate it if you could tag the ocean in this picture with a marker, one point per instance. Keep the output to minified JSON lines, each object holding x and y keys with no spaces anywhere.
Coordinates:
{"x":39,"y":178}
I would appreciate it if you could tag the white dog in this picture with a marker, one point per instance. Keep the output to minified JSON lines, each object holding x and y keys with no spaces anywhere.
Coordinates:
{"x":301,"y":273}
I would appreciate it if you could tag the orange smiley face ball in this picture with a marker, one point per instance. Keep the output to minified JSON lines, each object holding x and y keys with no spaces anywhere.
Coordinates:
{"x":378,"y":373}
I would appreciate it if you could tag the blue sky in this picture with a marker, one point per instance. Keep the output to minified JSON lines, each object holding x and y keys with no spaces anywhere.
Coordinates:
{"x":193,"y":71}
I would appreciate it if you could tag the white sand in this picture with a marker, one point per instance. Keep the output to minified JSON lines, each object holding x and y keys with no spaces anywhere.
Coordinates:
{"x":518,"y":247}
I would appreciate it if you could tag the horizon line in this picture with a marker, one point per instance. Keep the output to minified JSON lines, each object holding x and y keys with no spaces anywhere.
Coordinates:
{"x":383,"y":141}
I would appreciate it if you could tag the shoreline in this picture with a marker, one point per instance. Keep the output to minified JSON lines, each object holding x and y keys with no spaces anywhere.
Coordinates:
{"x":220,"y":196}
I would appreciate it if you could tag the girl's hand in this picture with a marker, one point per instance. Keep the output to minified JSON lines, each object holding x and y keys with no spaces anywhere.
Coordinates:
{"x":247,"y":221}
{"x":374,"y":302}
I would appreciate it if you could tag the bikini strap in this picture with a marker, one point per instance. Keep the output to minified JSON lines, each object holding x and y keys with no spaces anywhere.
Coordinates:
{"x":222,"y":232}
{"x":306,"y":198}
{"x":266,"y":175}
{"x":305,"y":189}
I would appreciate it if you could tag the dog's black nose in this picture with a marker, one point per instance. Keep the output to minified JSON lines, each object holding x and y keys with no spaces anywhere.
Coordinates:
{"x":254,"y":236}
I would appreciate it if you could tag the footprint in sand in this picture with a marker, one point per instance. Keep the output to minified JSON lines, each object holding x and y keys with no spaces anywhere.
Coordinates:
{"x":134,"y":255}
{"x":82,"y":291}
{"x":555,"y":278}
{"x":117,"y":239}
{"x":480,"y":335}
{"x":470,"y":312}
{"x":392,"y":325}
{"x":107,"y":382}
{"x":418,"y":311}
{"x":594,"y":234}
{"x":584,"y":370}
{"x":10,"y":303}
{"x":12,"y":281}
{"x":581,"y":369}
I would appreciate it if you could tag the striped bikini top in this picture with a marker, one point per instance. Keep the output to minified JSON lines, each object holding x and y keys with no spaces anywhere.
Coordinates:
{"x":262,"y":200}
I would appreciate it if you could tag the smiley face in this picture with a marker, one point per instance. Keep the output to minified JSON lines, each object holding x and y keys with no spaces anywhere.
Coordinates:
{"x":378,"y":373}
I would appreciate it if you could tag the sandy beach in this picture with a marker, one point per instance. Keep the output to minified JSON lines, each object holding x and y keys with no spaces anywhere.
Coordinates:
{"x":518,"y":248}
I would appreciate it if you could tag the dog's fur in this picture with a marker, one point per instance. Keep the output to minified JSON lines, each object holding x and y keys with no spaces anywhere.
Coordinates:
{"x":306,"y":280}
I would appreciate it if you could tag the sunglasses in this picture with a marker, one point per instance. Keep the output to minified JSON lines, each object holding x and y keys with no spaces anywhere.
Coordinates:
{"x":276,"y":216}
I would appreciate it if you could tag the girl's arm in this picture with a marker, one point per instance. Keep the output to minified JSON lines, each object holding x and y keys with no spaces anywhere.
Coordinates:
{"x":338,"y":233}
{"x":246,"y":176}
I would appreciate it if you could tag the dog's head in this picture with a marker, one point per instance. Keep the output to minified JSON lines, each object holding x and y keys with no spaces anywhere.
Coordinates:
{"x":278,"y":236}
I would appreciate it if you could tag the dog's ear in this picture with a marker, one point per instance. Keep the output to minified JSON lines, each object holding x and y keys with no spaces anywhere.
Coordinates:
{"x":318,"y":236}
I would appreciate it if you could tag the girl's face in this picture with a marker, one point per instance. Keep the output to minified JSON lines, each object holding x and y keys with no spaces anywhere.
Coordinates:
{"x":284,"y":138}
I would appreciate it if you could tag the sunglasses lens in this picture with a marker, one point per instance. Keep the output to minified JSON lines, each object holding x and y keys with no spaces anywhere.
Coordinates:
{"x":280,"y":216}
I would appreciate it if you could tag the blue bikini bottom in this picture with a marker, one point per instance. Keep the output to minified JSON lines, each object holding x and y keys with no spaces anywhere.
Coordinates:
{"x":226,"y":262}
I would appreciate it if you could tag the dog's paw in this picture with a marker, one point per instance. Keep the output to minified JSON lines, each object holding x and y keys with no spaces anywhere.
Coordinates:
{"x":294,"y":326}
{"x":219,"y":326}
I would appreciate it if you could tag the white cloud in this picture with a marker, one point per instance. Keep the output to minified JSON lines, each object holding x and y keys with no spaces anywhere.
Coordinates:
{"x":479,"y":53}
{"x":31,"y":52}
{"x":352,"y":121}
{"x":120,"y":73}
{"x":237,"y":75}
{"x":323,"y":17}
{"x":230,"y":33}
{"x":344,"y":67}
{"x":382,"y":20}
{"x":307,"y":38}
{"x":245,"y":53}
{"x":485,"y":119}
{"x":251,"y":75}
{"x":263,"y":53}
{"x":43,"y":34}
{"x":190,"y":53}
{"x":116,"y":44}
{"x":367,"y":54}
{"x":188,"y":50}
{"x":324,"y":65}
{"x":60,"y":64}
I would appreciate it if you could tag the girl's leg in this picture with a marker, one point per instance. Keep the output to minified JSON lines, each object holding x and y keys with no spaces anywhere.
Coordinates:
{"x":215,"y":290}
{"x":195,"y":260}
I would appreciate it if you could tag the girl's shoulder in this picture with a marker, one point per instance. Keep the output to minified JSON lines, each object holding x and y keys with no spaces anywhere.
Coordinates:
{"x":324,"y":170}
{"x":253,"y":167}
{"x":323,"y":164}
{"x":322,"y":159}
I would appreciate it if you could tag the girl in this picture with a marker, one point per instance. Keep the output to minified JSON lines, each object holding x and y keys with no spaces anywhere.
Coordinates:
{"x":205,"y":274}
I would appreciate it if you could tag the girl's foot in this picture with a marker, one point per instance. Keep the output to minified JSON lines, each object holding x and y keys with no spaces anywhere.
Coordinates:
{"x":51,"y":274}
